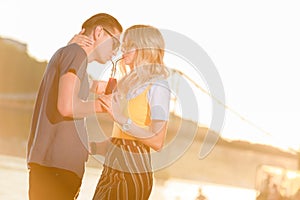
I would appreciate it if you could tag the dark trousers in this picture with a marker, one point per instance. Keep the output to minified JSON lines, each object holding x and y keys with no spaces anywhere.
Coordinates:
{"x":47,"y":183}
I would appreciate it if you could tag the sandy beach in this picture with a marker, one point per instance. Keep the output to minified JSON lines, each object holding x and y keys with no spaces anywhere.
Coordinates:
{"x":14,"y":185}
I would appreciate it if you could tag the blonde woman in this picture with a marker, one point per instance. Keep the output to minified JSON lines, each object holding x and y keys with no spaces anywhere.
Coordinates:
{"x":140,"y":109}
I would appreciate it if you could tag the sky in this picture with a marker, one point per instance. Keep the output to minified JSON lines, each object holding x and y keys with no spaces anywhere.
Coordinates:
{"x":254,"y":46}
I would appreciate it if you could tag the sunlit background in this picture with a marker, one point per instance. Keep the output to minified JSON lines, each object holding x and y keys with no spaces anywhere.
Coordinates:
{"x":253,"y":44}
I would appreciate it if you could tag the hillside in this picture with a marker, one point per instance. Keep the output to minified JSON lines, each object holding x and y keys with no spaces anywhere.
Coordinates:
{"x":20,"y":76}
{"x":19,"y":73}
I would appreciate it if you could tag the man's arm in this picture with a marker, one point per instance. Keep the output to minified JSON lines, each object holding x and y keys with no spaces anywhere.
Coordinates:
{"x":98,"y":87}
{"x":69,"y":104}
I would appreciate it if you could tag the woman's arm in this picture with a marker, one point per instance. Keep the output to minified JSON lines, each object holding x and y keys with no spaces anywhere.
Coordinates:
{"x":154,"y":137}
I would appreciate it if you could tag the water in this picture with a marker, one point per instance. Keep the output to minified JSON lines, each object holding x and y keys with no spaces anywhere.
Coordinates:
{"x":14,"y":185}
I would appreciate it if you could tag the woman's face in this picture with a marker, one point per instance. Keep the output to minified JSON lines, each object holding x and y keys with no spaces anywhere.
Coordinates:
{"x":128,"y":54}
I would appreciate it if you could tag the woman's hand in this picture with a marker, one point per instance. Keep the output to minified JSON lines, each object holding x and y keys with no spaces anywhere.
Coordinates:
{"x":81,"y":40}
{"x":112,"y":103}
{"x":105,"y":101}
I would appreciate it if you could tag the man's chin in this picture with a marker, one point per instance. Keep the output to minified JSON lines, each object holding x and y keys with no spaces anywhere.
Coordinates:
{"x":102,"y":61}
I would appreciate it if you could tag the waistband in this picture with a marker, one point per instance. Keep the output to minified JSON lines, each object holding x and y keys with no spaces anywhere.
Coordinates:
{"x":120,"y":141}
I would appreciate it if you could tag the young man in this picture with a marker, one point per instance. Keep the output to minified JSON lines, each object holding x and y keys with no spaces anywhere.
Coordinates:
{"x":58,"y":147}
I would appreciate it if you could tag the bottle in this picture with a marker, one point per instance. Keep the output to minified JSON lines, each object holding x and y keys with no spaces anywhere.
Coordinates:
{"x":112,"y":81}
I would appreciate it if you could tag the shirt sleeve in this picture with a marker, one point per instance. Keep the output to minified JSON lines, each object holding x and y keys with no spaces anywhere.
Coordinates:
{"x":72,"y":60}
{"x":159,"y":100}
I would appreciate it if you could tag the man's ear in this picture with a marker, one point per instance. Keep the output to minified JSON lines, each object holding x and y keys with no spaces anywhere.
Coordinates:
{"x":98,"y":32}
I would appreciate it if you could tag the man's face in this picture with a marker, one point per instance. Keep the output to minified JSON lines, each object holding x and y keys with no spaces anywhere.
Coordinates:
{"x":106,"y":47}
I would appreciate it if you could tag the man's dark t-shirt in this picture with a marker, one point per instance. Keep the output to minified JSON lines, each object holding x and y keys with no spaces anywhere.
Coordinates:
{"x":57,"y":141}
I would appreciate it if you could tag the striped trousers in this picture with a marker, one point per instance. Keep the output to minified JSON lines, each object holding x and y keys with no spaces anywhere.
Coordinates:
{"x":127,"y":173}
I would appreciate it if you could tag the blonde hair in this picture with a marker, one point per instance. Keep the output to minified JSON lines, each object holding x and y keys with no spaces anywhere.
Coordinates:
{"x":148,"y":61}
